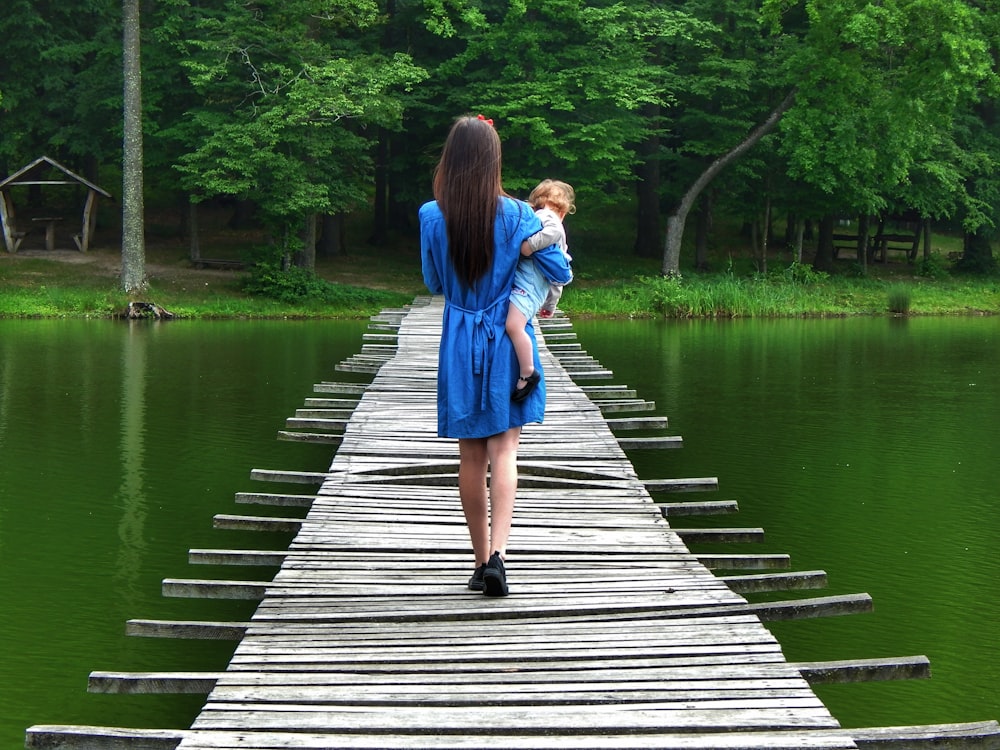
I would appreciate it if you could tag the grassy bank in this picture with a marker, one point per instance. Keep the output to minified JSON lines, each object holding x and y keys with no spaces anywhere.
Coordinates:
{"x":609,"y":283}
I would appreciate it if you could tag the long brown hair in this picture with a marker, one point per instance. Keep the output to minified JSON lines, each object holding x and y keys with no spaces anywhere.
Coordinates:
{"x":467,"y":187}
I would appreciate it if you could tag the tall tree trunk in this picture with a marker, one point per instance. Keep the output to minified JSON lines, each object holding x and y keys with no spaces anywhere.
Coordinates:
{"x":194,"y":235}
{"x":306,"y":256}
{"x":791,"y":226}
{"x":133,"y":274}
{"x":380,"y":221}
{"x":864,"y":225}
{"x":767,"y":233}
{"x":676,"y":221}
{"x":331,"y":235}
{"x":824,"y":247}
{"x":977,"y":255}
{"x":647,"y":188}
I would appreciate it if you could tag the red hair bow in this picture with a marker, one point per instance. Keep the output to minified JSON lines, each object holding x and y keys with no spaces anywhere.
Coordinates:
{"x":480,"y":117}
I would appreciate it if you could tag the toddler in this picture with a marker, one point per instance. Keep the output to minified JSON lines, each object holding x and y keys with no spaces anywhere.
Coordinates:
{"x":532,"y":293}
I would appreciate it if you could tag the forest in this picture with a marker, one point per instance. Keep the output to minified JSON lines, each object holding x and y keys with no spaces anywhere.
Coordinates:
{"x":296,"y":113}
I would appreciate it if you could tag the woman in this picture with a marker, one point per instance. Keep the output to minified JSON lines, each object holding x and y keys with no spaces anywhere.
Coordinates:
{"x":470,"y":241}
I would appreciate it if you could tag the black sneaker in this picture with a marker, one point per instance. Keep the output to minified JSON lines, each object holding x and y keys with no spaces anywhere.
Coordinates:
{"x":495,"y":577}
{"x":476,"y":582}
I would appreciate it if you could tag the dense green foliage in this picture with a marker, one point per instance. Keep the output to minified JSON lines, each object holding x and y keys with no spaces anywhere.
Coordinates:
{"x":299,"y":286}
{"x":298,"y":109}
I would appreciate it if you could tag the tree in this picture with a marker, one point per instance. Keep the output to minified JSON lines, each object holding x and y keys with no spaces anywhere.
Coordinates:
{"x":876,"y":88}
{"x":61,"y":69}
{"x":676,"y":221}
{"x":133,"y":275}
{"x":568,"y":84}
{"x":879,"y":88}
{"x":290,"y":91}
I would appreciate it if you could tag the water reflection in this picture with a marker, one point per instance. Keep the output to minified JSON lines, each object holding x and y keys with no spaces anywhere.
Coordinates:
{"x":131,"y":498}
{"x":119,"y":444}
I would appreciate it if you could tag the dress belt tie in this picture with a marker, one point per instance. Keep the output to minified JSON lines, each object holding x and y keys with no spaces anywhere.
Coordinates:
{"x":482,"y":333}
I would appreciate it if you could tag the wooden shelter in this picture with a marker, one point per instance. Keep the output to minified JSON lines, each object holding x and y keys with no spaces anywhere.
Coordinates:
{"x":46,"y":171}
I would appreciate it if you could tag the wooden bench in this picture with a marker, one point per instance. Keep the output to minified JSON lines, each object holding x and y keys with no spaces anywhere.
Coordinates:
{"x":235,"y":265}
{"x":18,"y":238}
{"x":881,"y":243}
{"x":844,"y":242}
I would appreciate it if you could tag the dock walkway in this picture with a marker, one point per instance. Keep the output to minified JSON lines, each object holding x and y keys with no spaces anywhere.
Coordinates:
{"x":614,"y":634}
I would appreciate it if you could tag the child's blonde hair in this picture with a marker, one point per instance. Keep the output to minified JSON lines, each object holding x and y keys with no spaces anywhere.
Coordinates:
{"x":555,"y":193}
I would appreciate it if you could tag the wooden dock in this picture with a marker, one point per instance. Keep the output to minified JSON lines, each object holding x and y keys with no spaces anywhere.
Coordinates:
{"x":614,"y":634}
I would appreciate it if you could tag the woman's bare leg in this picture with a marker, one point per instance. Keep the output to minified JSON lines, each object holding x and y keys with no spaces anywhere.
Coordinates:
{"x":502,"y":452}
{"x":472,"y":465}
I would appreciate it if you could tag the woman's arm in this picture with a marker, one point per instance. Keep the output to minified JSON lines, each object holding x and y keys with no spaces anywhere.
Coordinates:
{"x":552,"y":262}
{"x":431,"y":276}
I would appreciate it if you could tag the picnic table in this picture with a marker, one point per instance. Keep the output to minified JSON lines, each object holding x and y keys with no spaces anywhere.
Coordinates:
{"x":50,"y":229}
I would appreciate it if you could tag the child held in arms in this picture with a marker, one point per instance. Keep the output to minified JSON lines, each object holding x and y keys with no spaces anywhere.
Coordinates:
{"x":532,"y":293}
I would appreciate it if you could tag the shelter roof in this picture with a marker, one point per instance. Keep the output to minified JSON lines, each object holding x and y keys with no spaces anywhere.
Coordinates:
{"x":31,"y":173}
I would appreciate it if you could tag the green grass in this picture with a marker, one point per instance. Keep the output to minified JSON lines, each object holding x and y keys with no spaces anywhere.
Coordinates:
{"x":727,"y":296}
{"x":609,"y":282}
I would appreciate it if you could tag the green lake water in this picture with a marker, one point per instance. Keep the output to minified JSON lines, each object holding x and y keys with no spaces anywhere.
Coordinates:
{"x":866,"y":448}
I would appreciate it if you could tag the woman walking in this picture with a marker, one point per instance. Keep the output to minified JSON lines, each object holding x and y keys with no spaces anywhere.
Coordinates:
{"x":470,"y":243}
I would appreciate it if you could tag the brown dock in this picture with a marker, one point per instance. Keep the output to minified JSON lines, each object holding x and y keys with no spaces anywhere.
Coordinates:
{"x":614,"y":635}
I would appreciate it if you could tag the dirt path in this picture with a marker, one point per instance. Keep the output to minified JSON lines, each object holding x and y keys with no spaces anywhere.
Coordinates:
{"x":164,"y":265}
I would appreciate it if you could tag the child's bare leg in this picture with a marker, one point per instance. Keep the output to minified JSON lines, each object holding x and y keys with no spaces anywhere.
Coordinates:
{"x":521,"y":341}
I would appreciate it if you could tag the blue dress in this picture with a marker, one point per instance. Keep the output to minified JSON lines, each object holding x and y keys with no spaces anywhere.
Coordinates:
{"x":477,"y":367}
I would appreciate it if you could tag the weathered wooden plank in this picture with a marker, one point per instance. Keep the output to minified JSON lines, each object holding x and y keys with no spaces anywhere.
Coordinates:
{"x":711,"y":508}
{"x":256,"y":523}
{"x":865,"y":670}
{"x":205,"y":589}
{"x":191,"y":629}
{"x":961,"y":736}
{"x":766,"y":675}
{"x":307,"y":419}
{"x":204,"y":740}
{"x":310,"y":437}
{"x":708,"y":717}
{"x":332,"y":403}
{"x":639,"y":423}
{"x":744,"y":562}
{"x":350,"y":366}
{"x":290,"y":477}
{"x":695,"y":484}
{"x":443,"y":694}
{"x":592,"y":375}
{"x":827,"y":606}
{"x":236,"y":557}
{"x":327,"y":387}
{"x":160,"y":683}
{"x":339,"y":416}
{"x":612,"y":407}
{"x":608,"y":392}
{"x":756,"y":584}
{"x":662,"y":441}
{"x":281,"y":500}
{"x":720,"y":535}
{"x":72,"y":737}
